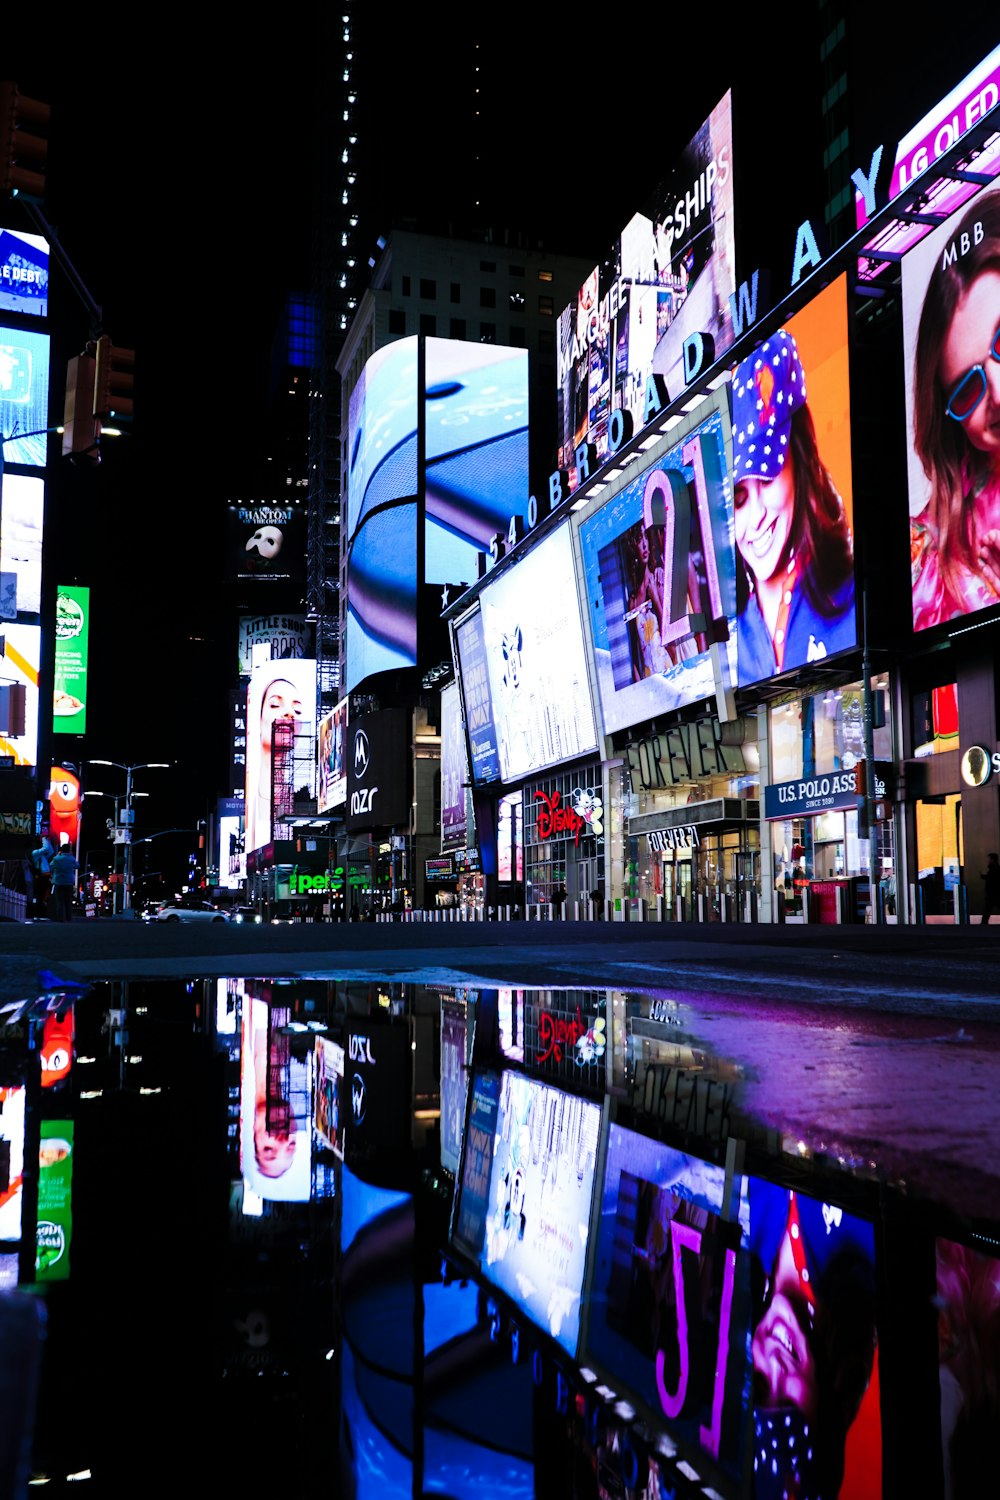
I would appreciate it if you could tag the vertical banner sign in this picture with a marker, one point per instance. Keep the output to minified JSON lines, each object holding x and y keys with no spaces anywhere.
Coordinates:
{"x":55,"y":1211}
{"x":69,"y":707}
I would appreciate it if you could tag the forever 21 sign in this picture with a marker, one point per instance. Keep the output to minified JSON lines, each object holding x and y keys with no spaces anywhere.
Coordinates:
{"x":378,"y":770}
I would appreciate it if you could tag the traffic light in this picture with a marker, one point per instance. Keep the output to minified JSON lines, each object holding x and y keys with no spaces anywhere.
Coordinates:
{"x":113,"y":380}
{"x":22,"y":153}
{"x":81,"y":429}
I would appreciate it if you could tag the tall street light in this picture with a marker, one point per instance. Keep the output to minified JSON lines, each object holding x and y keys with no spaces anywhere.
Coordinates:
{"x":117,"y":830}
{"x":146,"y":765}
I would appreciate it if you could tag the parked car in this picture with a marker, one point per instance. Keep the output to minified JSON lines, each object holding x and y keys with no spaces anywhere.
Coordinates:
{"x":189,"y":911}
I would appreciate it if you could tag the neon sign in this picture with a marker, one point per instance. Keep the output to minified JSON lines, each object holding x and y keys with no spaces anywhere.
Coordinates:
{"x":555,"y":818}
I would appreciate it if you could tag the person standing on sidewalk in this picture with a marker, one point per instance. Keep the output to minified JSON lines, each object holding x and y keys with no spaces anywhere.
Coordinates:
{"x":63,"y":867}
{"x":991,"y":876}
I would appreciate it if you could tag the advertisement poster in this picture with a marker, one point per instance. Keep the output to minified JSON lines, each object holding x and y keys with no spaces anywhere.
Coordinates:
{"x":454,"y":771}
{"x":670,"y":1310}
{"x":814,"y":1347}
{"x":473,"y":1198}
{"x":24,"y":274}
{"x":280,"y":693}
{"x":275,"y":637}
{"x":669,"y":277}
{"x":331,"y":789}
{"x":21,"y":541}
{"x":471,"y":650}
{"x":55,"y":1201}
{"x":275,"y":1104}
{"x":11,"y":1160}
{"x":69,"y":708}
{"x":792,"y":493}
{"x":541,"y":1185}
{"x":951,"y":349}
{"x":658,"y":563}
{"x":22,"y":649}
{"x":535,"y":658}
{"x":454,"y":1081}
{"x":328,"y":1074}
{"x":24,"y":395}
{"x":267,"y":543}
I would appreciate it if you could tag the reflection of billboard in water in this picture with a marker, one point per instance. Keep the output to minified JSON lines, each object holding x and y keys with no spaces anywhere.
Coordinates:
{"x":275,"y":1105}
{"x":658,"y":563}
{"x":669,"y":1310}
{"x":671,"y":276}
{"x":541,"y":1184}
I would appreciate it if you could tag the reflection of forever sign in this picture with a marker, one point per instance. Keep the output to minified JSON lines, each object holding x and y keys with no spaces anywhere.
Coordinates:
{"x":684,"y":837}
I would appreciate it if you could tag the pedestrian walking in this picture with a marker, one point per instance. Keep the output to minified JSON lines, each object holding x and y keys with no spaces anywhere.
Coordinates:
{"x":991,"y":876}
{"x":41,"y":859}
{"x":63,"y":867}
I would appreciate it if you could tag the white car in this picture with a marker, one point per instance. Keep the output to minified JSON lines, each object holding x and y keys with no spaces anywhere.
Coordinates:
{"x":190,"y":911}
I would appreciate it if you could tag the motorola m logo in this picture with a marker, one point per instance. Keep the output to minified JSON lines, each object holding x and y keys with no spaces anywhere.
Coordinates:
{"x":362,"y":754}
{"x":358,"y":1098}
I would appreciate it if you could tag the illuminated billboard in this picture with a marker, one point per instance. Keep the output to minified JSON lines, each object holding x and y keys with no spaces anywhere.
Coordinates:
{"x":535,"y":658}
{"x":476,"y":452}
{"x":274,"y":1104}
{"x":21,"y":541}
{"x":274,"y":637}
{"x":22,"y":647}
{"x":24,"y":395}
{"x":328,"y":1074}
{"x":659,"y":570}
{"x":454,"y":771}
{"x":951,"y":352}
{"x":267,"y":543}
{"x":379,"y":771}
{"x":12,"y":1099}
{"x":669,"y":279}
{"x":470,"y":652}
{"x":382,"y":431}
{"x":69,"y":705}
{"x":792,"y":493}
{"x":54,"y":1228}
{"x":670,"y":1304}
{"x":382,"y":593}
{"x":331,"y":781}
{"x":539,"y":1202}
{"x":24,"y":273}
{"x":278,"y":693}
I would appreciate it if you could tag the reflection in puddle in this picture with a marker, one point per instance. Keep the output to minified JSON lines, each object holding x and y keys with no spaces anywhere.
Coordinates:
{"x":381,"y":1239}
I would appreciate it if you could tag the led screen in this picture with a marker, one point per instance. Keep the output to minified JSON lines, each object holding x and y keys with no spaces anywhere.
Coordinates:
{"x":669,"y":1311}
{"x":658,"y":565}
{"x":814,"y":1350}
{"x":792,"y":493}
{"x":331,"y":790}
{"x":951,"y":316}
{"x":472,"y":1199}
{"x":541,"y":1184}
{"x":21,"y":541}
{"x":382,"y":594}
{"x":968,"y":1304}
{"x":535,"y":659}
{"x":275,"y":1105}
{"x":476,"y":445}
{"x":54,"y":1228}
{"x":24,"y":395}
{"x":382,"y":431}
{"x":64,"y":805}
{"x":328,"y":1079}
{"x":362,"y":1204}
{"x":470,"y":650}
{"x":670,"y":276}
{"x":11,"y":1160}
{"x":274,"y":638}
{"x":454,"y":771}
{"x":278,"y":692}
{"x":69,"y":703}
{"x":24,"y":273}
{"x":454,"y":1081}
{"x":267,"y":543}
{"x":22,"y":646}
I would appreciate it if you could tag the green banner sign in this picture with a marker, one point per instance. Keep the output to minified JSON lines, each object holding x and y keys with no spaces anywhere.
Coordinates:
{"x":69,"y":707}
{"x":55,"y":1194}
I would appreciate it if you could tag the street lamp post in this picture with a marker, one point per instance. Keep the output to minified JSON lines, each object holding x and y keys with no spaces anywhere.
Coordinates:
{"x":130,"y":795}
{"x":118,"y":828}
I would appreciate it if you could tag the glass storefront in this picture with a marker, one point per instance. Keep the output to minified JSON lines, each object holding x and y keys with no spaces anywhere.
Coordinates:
{"x":563,"y":819}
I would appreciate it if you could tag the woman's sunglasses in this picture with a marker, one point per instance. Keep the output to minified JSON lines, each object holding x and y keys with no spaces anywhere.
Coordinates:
{"x":966,"y":394}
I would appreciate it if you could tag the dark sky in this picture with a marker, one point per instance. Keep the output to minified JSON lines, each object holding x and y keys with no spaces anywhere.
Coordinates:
{"x":179,"y":186}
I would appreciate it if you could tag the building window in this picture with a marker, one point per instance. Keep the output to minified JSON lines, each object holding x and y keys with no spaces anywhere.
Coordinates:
{"x":397,"y":320}
{"x":457,"y":330}
{"x":456,"y":291}
{"x":545,"y":308}
{"x":546,"y":341}
{"x":487,"y":296}
{"x":406,"y":286}
{"x":428,"y":287}
{"x":428,"y":324}
{"x":515,"y":270}
{"x":516,"y":299}
{"x":518,"y":337}
{"x":487,"y":333}
{"x":545,"y":275}
{"x":488,"y":266}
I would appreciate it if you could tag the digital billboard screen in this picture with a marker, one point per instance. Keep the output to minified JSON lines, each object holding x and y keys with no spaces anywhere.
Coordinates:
{"x":12,"y":1098}
{"x":382,"y":593}
{"x":21,"y":542}
{"x":535,"y":657}
{"x":968,"y":1309}
{"x":331,"y":790}
{"x":24,"y":395}
{"x":668,"y":1313}
{"x":455,"y":1019}
{"x":278,"y":693}
{"x":328,"y":1085}
{"x":267,"y":543}
{"x":22,"y":653}
{"x":659,"y":571}
{"x":273,"y":637}
{"x":275,"y":1145}
{"x":792,"y":493}
{"x":813,"y":1346}
{"x":69,"y":704}
{"x":24,"y":273}
{"x":539,"y":1202}
{"x":382,"y":431}
{"x":454,"y":770}
{"x":476,"y":452}
{"x":379,"y":770}
{"x":671,"y":275}
{"x":951,"y":349}
{"x":54,"y":1227}
{"x":470,"y":651}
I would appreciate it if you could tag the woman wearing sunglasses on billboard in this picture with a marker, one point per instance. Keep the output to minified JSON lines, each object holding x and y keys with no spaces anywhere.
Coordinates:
{"x":795,"y":561}
{"x":955,"y":541}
